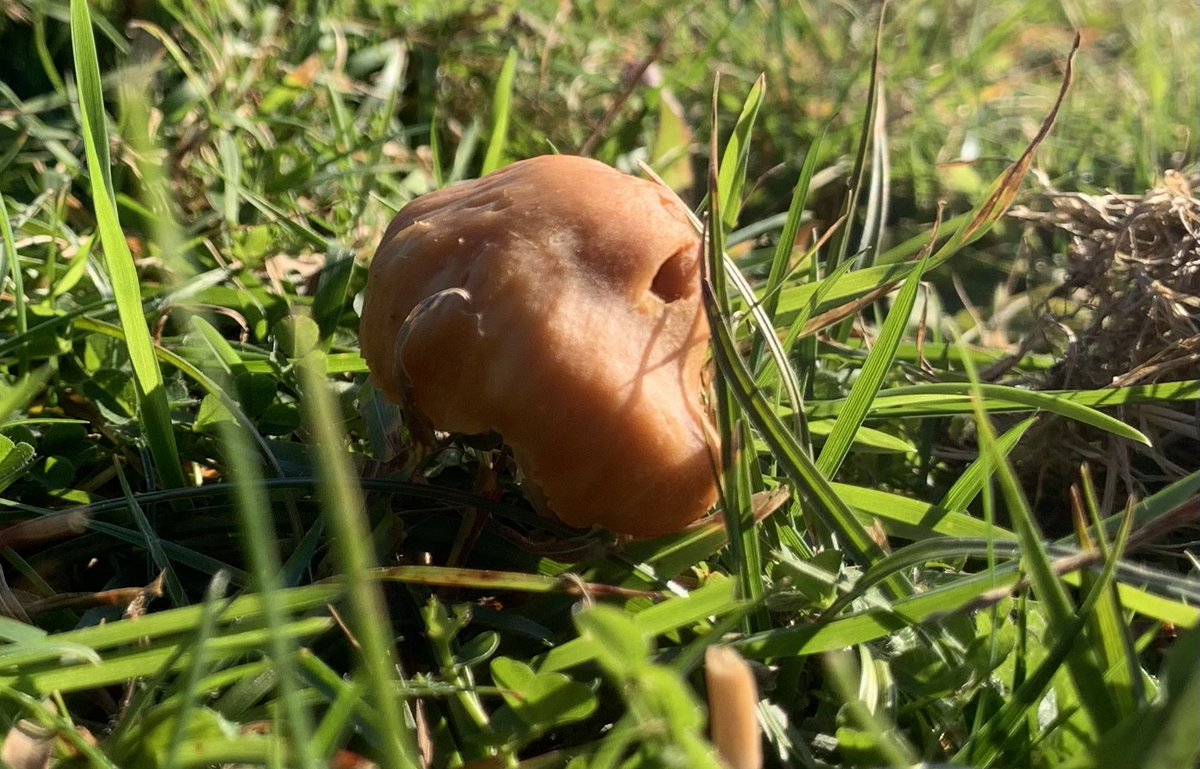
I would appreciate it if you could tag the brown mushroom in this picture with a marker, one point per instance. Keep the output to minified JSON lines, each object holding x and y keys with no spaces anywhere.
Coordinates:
{"x":556,"y":302}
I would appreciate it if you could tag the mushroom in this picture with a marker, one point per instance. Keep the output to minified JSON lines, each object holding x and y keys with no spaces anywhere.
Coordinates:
{"x":557,"y":303}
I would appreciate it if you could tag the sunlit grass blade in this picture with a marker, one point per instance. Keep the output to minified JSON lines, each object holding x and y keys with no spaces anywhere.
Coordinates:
{"x":780,"y":265}
{"x":840,"y":246}
{"x":731,"y":175}
{"x":879,"y":192}
{"x":713,"y":599}
{"x":1060,"y":610}
{"x":810,"y":482}
{"x":781,"y":261}
{"x":873,"y":372}
{"x":866,"y":439}
{"x":501,"y":107}
{"x":775,"y":349}
{"x":258,"y":540}
{"x":1111,"y":637}
{"x":214,"y":599}
{"x":799,"y":325}
{"x":912,"y":518}
{"x":163,"y":625}
{"x":9,"y":264}
{"x":930,"y":400}
{"x":153,"y":405}
{"x":968,"y":485}
{"x":119,"y":667}
{"x":736,"y":453}
{"x":345,"y":513}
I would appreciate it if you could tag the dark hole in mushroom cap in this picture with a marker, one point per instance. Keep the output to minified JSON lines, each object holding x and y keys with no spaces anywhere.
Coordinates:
{"x":673,"y":281}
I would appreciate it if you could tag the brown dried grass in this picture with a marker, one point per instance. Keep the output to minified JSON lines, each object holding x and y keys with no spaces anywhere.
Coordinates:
{"x":1130,"y":303}
{"x":1133,"y":274}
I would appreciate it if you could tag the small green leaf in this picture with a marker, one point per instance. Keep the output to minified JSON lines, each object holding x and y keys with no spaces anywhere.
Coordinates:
{"x":478,"y":649}
{"x":297,"y":336}
{"x":541,"y":701}
{"x":667,"y":694}
{"x":53,"y":472}
{"x":211,"y":415}
{"x":621,"y":648}
{"x":155,"y":743}
{"x":15,"y":458}
{"x":330,"y":300}
{"x":814,"y":579}
{"x":670,"y":155}
{"x":253,"y":244}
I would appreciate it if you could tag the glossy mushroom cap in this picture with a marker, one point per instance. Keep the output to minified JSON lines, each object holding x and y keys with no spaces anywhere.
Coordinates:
{"x":556,"y":302}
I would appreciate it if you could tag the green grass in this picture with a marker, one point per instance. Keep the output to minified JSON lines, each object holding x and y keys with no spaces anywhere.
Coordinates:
{"x":220,"y":547}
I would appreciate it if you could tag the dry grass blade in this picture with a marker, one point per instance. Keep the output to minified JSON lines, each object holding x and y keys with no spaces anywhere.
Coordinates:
{"x":987,"y":213}
{"x":1005,"y":190}
{"x":40,"y":531}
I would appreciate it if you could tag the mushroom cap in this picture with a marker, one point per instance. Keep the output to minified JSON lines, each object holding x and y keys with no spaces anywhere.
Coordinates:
{"x":556,"y":302}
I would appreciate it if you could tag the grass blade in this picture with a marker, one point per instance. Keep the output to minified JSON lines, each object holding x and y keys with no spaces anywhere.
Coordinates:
{"x":874,"y":370}
{"x":501,"y":107}
{"x":8,"y":261}
{"x":1112,"y":641}
{"x":841,"y":243}
{"x":1062,"y":615}
{"x":345,"y":511}
{"x":152,"y":401}
{"x":787,"y":242}
{"x":970,"y":483}
{"x":258,"y":540}
{"x":736,"y":443}
{"x":929,"y":400}
{"x":810,"y":482}
{"x":731,"y":176}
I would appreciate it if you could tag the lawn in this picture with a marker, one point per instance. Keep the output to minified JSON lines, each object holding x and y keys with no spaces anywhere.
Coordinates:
{"x":950,"y":272}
